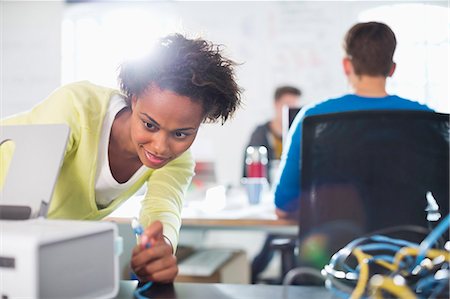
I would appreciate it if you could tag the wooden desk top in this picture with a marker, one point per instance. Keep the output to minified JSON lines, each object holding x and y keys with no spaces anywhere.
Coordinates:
{"x":202,"y":222}
{"x":235,"y":214}
{"x":205,"y":223}
{"x":223,"y":291}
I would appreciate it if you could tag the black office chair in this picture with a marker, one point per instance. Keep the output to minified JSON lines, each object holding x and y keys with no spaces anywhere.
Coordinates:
{"x":367,"y":171}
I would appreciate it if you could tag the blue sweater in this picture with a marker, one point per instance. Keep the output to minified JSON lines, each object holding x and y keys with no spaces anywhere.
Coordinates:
{"x":287,"y":186}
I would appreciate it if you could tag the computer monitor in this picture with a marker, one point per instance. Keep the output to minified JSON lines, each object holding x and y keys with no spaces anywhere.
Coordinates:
{"x":371,"y":170}
{"x":37,"y":153}
{"x":287,"y":117}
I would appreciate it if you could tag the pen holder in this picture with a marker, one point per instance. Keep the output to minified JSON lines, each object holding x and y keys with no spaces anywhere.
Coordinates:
{"x":254,"y":188}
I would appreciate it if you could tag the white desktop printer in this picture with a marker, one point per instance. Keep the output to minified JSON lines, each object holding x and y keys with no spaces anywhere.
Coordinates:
{"x":43,"y":258}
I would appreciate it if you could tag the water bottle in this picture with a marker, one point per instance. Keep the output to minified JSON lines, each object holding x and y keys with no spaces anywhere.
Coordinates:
{"x":256,"y":167}
{"x":256,"y":161}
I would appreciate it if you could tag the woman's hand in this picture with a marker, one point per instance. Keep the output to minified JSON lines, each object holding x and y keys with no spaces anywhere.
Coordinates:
{"x":156,"y":263}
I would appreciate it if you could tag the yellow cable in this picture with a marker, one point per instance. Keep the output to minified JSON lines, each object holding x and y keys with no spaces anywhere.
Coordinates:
{"x":387,"y":283}
{"x":363,"y":273}
{"x":414,"y":251}
{"x":378,"y":283}
{"x":387,"y":265}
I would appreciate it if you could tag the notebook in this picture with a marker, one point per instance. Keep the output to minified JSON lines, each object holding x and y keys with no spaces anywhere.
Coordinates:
{"x":33,"y":170}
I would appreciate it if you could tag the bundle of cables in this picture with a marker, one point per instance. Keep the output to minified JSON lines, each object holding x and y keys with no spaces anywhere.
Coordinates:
{"x":378,"y":266}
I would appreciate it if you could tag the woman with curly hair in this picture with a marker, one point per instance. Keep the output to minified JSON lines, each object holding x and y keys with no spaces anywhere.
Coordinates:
{"x":120,"y":140}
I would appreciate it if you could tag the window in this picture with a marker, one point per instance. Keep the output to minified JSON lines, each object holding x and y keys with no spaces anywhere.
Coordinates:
{"x":422,"y":51}
{"x":98,"y":36}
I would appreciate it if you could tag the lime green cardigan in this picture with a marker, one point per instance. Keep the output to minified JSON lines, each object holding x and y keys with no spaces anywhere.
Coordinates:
{"x":82,"y":106}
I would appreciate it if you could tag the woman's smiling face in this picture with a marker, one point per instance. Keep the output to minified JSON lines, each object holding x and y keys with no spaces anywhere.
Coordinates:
{"x":164,"y":125}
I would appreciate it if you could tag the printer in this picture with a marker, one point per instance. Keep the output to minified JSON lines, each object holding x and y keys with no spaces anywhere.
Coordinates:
{"x":39,"y":257}
{"x":43,"y":258}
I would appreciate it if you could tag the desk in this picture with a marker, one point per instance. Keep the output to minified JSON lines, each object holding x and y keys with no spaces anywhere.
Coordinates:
{"x":228,"y":224}
{"x":224,"y":291}
{"x":228,"y":213}
{"x":241,"y":223}
{"x":194,"y":230}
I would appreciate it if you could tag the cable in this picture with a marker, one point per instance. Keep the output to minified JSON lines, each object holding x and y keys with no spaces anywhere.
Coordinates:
{"x":292,"y":274}
{"x":438,"y":289}
{"x":379,"y":283}
{"x":138,"y":292}
{"x":139,"y":230}
{"x":428,"y":242}
{"x":363,"y":273}
{"x":377,"y":265}
{"x":431,"y":253}
{"x":399,"y":242}
{"x":401,"y":228}
{"x":398,"y":267}
{"x":383,"y":263}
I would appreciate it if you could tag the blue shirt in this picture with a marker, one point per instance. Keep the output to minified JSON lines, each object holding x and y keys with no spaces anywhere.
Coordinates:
{"x":287,"y":186}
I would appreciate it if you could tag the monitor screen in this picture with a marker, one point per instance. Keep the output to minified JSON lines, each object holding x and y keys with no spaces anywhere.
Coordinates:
{"x":288,"y":115}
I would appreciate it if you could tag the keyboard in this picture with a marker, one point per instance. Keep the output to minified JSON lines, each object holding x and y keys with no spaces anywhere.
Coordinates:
{"x":204,"y":262}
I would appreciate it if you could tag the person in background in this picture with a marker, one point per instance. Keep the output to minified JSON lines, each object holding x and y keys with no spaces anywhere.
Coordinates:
{"x":269,"y":134}
{"x":368,"y":62}
{"x":121,"y":140}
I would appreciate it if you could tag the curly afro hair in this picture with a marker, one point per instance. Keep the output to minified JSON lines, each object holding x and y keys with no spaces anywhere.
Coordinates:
{"x":194,"y":68}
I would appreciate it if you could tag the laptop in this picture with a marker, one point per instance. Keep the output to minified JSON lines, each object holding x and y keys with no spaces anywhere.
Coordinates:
{"x":28,"y":185}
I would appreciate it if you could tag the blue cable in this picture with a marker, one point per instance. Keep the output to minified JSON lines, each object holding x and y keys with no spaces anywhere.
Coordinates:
{"x":374,"y":259}
{"x":426,"y":287}
{"x":387,"y":247}
{"x":386,"y":258}
{"x":378,"y":238}
{"x":425,"y":284}
{"x":347,"y":248}
{"x":371,"y":247}
{"x":139,"y":230}
{"x":435,"y":234}
{"x":439,"y":288}
{"x":399,"y":242}
{"x":138,"y":292}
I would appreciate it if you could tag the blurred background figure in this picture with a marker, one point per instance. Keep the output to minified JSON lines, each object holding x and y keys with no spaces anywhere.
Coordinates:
{"x":269,"y":134}
{"x":367,"y":78}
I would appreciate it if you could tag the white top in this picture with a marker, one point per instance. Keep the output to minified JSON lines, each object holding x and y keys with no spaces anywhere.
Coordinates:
{"x":106,"y":186}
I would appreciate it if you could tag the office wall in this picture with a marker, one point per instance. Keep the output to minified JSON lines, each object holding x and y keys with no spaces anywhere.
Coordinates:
{"x":276,"y":42}
{"x":30,"y":54}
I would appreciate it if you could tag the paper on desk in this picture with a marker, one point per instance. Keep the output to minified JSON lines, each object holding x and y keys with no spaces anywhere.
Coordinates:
{"x":236,"y":207}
